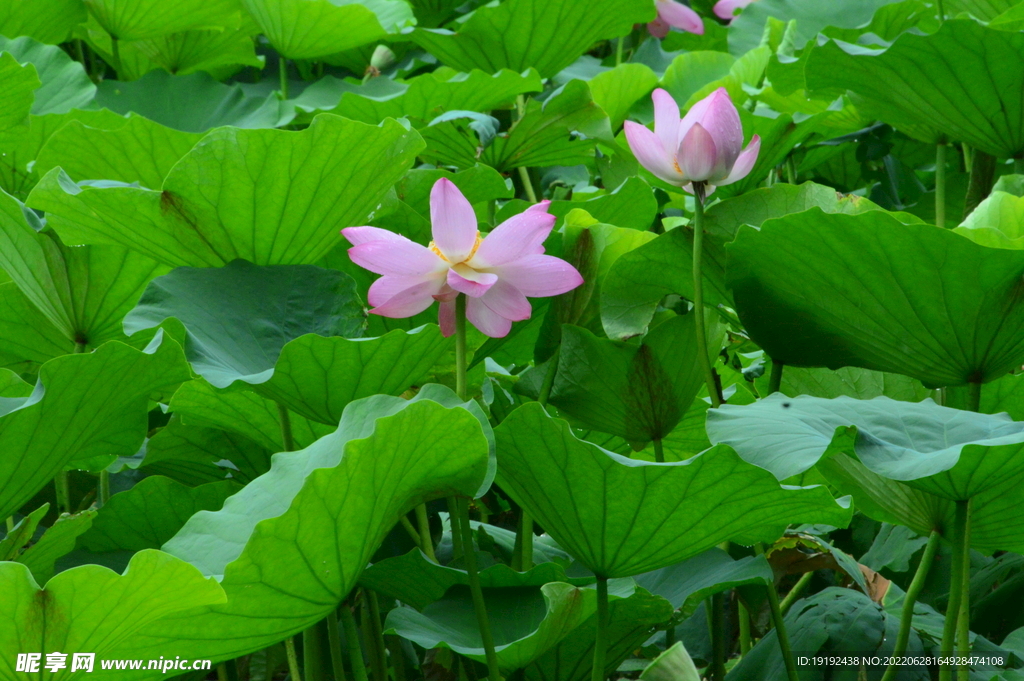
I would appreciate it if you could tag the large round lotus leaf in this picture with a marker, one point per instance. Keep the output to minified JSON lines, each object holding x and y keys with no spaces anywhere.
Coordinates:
{"x":951,"y":453}
{"x":290,"y":545}
{"x":415,"y":580}
{"x":140,"y":19}
{"x":84,"y":406}
{"x":64,"y":83}
{"x":20,"y":82}
{"x":621,"y":517}
{"x":688,"y":583}
{"x":272,"y":197}
{"x":821,"y":290}
{"x":93,"y":609}
{"x":48,"y":21}
{"x":968,"y":98}
{"x":547,"y":35}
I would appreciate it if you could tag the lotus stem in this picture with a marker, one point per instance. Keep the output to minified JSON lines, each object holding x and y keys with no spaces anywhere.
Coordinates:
{"x":397,"y":657}
{"x":744,"y":620}
{"x":10,"y":524}
{"x":780,"y":626}
{"x":795,"y":592}
{"x":334,"y":642}
{"x":115,"y":53}
{"x":462,"y":507}
{"x":377,"y":632}
{"x":698,"y":294}
{"x":718,"y":634}
{"x":913,"y":591}
{"x":293,"y":659}
{"x":355,"y":651}
{"x":313,"y":658}
{"x":426,"y":541}
{"x":791,"y":170}
{"x":618,"y":50}
{"x":659,"y":450}
{"x":942,"y":11}
{"x":775,"y":378}
{"x":222,"y":672}
{"x":103,"y":489}
{"x":287,"y":438}
{"x":940,"y":184}
{"x":963,"y":625}
{"x":979,"y":186}
{"x":411,"y":531}
{"x":282,"y":70}
{"x":482,"y":620}
{"x":526,"y":546}
{"x":601,"y":638}
{"x":1018,"y":166}
{"x":524,"y":172}
{"x":60,"y":483}
{"x":956,"y":587}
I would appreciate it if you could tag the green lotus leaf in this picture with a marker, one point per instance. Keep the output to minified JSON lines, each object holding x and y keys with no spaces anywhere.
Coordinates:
{"x":640,"y":279}
{"x":420,"y":99}
{"x":29,"y":339}
{"x":20,"y":83}
{"x":618,"y":89}
{"x":672,"y":665}
{"x":563,"y":130}
{"x":151,"y":512}
{"x":17,"y":537}
{"x":547,"y":35}
{"x":83,"y":406}
{"x":631,"y":205}
{"x":214,"y":51}
{"x":861,"y":384}
{"x":997,"y":222}
{"x":688,"y":583}
{"x":267,"y":196}
{"x":22,"y":145}
{"x":48,"y":21}
{"x":244,"y":413}
{"x":92,"y":608}
{"x":139,"y":150}
{"x":193,"y":103}
{"x":195,"y":455}
{"x":950,"y":453}
{"x":632,"y":616}
{"x":57,"y":541}
{"x":309,"y":29}
{"x":527,"y":621}
{"x":746,"y":30}
{"x":415,"y":580}
{"x":943,"y":309}
{"x":239,"y":317}
{"x":639,"y":392}
{"x":913,"y":83}
{"x":622,"y":517}
{"x":290,"y":545}
{"x":83,"y":292}
{"x":64,"y":82}
{"x":141,"y":19}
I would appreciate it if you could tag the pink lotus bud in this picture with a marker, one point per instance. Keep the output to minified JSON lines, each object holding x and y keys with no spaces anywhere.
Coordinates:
{"x":727,"y":9}
{"x":704,"y":146}
{"x":673,"y":14}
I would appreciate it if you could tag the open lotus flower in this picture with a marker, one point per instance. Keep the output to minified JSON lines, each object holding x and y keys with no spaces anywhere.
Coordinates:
{"x":727,"y":9}
{"x":496,"y":272}
{"x":706,"y":146}
{"x":673,"y":14}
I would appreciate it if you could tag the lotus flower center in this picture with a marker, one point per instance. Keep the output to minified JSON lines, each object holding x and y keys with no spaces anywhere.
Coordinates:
{"x":433,"y":247}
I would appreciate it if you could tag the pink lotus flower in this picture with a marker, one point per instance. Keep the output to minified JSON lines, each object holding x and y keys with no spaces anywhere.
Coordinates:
{"x":705,"y":146}
{"x":496,"y":272}
{"x":673,"y":14}
{"x":728,"y":9}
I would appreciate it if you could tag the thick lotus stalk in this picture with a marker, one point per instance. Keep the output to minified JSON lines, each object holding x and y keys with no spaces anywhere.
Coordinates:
{"x":672,"y":14}
{"x":497,"y":273}
{"x":705,"y":146}
{"x":728,"y":9}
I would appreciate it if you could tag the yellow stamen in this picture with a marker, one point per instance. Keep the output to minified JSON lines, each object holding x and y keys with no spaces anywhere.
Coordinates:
{"x":433,"y":247}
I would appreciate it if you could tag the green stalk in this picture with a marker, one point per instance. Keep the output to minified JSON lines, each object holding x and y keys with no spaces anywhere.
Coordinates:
{"x":942,"y":11}
{"x":1018,"y":166}
{"x":293,"y":659}
{"x":913,"y":591}
{"x":956,"y":576}
{"x":940,"y":184}
{"x":780,"y":626}
{"x":355,"y":651}
{"x":790,"y":170}
{"x":469,"y":554}
{"x":380,"y":657}
{"x":426,"y":541}
{"x":659,"y":450}
{"x":717,"y":668}
{"x":222,"y":672}
{"x":549,"y":376}
{"x":458,"y":545}
{"x":963,"y":625}
{"x":287,"y":438}
{"x":60,"y":483}
{"x":618,"y":50}
{"x":698,"y":293}
{"x":413,"y":533}
{"x":795,"y":592}
{"x":103,"y":491}
{"x":313,"y":655}
{"x":979,"y":185}
{"x":526,"y":545}
{"x":115,"y":51}
{"x":775,"y":378}
{"x":334,"y":642}
{"x":601,"y":638}
{"x":10,"y":524}
{"x":282,"y":69}
{"x":524,"y":172}
{"x":397,"y":657}
{"x":744,"y":618}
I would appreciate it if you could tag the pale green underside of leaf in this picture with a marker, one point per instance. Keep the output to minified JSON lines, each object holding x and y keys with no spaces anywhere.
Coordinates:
{"x":20,"y":82}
